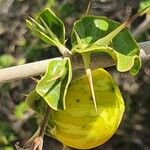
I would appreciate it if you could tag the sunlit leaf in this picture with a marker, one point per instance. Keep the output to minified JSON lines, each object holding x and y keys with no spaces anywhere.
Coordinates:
{"x":100,"y":34}
{"x":143,"y":5}
{"x":48,"y":27}
{"x":54,"y":24}
{"x":53,"y":85}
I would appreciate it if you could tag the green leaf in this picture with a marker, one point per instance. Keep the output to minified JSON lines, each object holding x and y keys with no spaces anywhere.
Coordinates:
{"x":144,"y":4}
{"x":54,"y":23}
{"x":54,"y":84}
{"x":48,"y":27}
{"x":36,"y":102}
{"x":100,"y":34}
{"x":41,"y":34}
{"x":80,"y":44}
{"x":125,"y":63}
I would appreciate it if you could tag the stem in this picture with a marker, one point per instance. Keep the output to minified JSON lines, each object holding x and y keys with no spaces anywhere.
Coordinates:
{"x":44,"y":122}
{"x":64,"y":51}
{"x":36,"y":141}
{"x":39,"y":67}
{"x":88,"y":7}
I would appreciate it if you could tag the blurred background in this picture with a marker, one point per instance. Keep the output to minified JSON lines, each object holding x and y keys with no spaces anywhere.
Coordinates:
{"x":18,"y":46}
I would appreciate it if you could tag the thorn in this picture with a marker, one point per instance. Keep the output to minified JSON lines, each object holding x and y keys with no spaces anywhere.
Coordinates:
{"x":108,"y":38}
{"x":137,"y":14}
{"x":90,"y":79}
{"x":34,"y":79}
{"x":88,"y":7}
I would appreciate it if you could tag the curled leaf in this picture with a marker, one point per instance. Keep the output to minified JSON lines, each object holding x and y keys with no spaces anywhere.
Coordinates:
{"x":53,"y":85}
{"x":100,"y":34}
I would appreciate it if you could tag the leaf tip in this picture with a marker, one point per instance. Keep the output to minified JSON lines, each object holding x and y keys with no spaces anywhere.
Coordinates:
{"x":28,"y":23}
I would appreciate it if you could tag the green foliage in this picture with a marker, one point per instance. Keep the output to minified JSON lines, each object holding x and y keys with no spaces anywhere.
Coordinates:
{"x":36,"y":51}
{"x":144,"y":4}
{"x":91,"y":34}
{"x":100,"y":34}
{"x":52,"y":88}
{"x":48,"y":27}
{"x":54,"y":84}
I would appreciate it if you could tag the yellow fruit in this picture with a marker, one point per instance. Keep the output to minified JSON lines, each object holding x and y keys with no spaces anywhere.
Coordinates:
{"x":79,"y":126}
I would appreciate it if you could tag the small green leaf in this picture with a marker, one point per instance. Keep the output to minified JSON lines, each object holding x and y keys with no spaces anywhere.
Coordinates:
{"x":125,"y":63}
{"x":36,"y":102}
{"x":54,"y":24}
{"x":41,"y":35}
{"x":48,"y":27}
{"x":54,"y":84}
{"x":52,"y":35}
{"x":100,"y":34}
{"x":145,"y":4}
